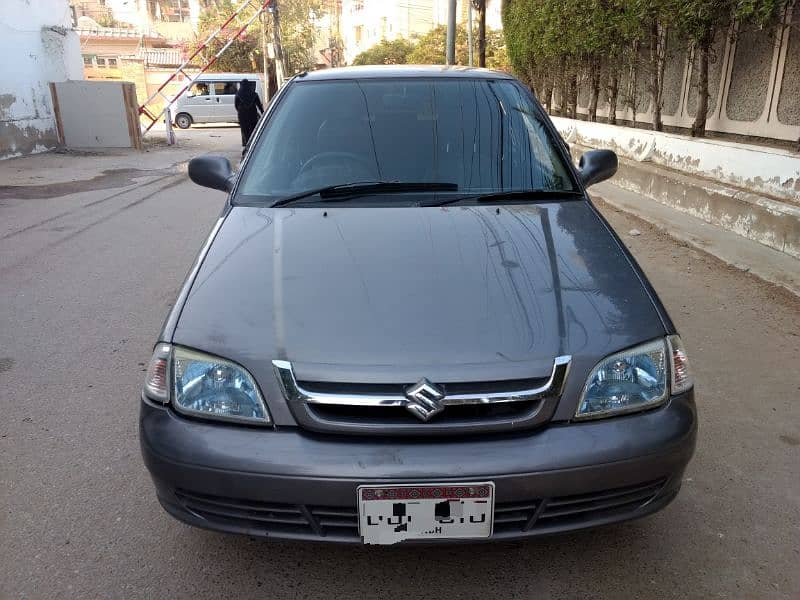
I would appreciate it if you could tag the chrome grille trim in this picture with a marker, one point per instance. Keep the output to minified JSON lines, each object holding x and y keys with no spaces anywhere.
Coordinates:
{"x":293,"y":392}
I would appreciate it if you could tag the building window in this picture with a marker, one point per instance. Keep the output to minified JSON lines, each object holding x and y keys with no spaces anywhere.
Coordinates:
{"x":103,"y":62}
{"x":358,"y":32}
{"x":88,"y":60}
{"x":175,"y":11}
{"x":358,"y":5}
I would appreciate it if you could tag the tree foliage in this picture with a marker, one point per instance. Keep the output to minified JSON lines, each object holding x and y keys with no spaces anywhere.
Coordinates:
{"x":386,"y":52}
{"x":245,"y":53}
{"x":429,"y":49}
{"x":554,"y":44}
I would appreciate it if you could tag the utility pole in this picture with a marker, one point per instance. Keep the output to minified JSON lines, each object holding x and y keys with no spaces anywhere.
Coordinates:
{"x":280,"y":64}
{"x":264,"y":52}
{"x":481,"y":33}
{"x":469,"y":31}
{"x":451,"y":32}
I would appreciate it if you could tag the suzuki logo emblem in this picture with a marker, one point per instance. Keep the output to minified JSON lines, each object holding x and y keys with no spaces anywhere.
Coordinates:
{"x":424,"y":399}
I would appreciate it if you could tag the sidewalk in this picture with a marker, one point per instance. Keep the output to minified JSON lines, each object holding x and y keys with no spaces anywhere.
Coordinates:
{"x":760,"y":170}
{"x":30,"y":176}
{"x":746,"y":255}
{"x":738,"y":202}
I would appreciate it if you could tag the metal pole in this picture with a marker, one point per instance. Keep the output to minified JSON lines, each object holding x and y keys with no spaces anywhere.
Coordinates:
{"x":264,"y":53}
{"x":451,"y":32}
{"x":469,"y":30}
{"x":482,"y":34}
{"x":280,"y":60}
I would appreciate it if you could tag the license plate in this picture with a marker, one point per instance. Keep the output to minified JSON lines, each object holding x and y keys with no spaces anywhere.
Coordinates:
{"x":388,"y":514}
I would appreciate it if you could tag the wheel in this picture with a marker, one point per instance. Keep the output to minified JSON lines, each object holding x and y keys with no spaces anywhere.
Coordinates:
{"x":183,"y":121}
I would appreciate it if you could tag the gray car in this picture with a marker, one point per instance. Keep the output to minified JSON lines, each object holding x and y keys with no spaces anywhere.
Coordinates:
{"x":410,"y":323}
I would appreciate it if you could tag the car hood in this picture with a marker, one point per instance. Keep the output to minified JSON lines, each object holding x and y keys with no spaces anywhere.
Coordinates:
{"x":389,"y":295}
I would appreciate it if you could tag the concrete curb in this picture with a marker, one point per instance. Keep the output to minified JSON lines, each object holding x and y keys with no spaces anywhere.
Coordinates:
{"x":757,"y":169}
{"x":771,"y":222}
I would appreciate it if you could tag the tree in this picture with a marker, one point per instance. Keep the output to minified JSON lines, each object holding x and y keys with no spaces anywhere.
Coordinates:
{"x":545,"y":37}
{"x":429,"y":49}
{"x":386,"y":52}
{"x":245,"y":53}
{"x":552,"y":42}
{"x":701,"y":20}
{"x":298,"y":31}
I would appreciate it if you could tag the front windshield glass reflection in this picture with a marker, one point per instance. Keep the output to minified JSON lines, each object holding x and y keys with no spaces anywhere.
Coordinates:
{"x":482,"y":135}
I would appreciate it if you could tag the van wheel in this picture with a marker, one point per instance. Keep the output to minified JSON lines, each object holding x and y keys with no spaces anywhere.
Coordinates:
{"x":183,"y":121}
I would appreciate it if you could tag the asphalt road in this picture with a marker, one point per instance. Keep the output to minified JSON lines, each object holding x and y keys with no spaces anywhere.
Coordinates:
{"x":85,"y":281}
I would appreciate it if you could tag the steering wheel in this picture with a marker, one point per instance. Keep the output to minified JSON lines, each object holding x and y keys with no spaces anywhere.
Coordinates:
{"x":335,"y":160}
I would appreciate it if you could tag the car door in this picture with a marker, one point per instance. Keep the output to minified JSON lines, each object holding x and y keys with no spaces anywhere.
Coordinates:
{"x":223,"y":106}
{"x":199,"y":102}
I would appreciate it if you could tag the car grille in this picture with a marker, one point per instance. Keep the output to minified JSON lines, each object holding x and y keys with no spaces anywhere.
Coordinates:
{"x":573,"y":511}
{"x":341,"y":523}
{"x":471,"y":414}
{"x":423,"y":408}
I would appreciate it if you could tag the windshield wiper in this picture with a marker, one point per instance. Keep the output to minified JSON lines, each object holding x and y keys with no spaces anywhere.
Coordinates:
{"x":345,"y":191}
{"x":511,"y":195}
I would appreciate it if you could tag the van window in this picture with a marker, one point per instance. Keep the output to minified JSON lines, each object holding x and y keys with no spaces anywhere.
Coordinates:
{"x":225,"y":88}
{"x":199,"y":89}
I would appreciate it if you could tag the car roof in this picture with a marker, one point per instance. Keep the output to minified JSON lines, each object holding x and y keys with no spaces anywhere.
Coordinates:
{"x":227,"y":76}
{"x":402,"y":71}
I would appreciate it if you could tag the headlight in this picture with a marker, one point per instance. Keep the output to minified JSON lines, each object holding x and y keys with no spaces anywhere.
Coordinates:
{"x":204,"y":386}
{"x":629,"y":381}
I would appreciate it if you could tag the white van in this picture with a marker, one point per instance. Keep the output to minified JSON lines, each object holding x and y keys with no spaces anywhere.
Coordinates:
{"x":210,"y":99}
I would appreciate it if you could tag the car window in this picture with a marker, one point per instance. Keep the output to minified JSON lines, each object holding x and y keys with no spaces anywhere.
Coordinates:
{"x":225,"y":88}
{"x":199,"y":89}
{"x":484,"y":135}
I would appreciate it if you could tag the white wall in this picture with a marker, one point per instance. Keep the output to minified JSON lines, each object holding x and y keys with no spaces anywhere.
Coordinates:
{"x":37,"y":46}
{"x":758,"y":169}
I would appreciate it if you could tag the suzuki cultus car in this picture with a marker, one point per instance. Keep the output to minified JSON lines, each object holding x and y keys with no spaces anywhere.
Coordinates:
{"x":410,"y":323}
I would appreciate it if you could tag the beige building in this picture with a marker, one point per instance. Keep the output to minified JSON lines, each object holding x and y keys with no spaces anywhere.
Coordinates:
{"x":364,"y":23}
{"x":119,"y":54}
{"x":493,"y":7}
{"x":145,"y":44}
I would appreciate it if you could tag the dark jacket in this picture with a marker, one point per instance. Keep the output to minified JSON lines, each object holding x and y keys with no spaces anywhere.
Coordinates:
{"x":247,"y":103}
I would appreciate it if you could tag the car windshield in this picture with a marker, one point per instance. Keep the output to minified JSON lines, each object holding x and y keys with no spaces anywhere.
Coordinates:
{"x":476,"y":135}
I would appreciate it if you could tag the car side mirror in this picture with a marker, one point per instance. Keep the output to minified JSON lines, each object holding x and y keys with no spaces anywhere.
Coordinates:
{"x":213,"y":172}
{"x":596,"y":166}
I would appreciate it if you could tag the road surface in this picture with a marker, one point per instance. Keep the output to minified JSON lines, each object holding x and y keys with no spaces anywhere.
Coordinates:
{"x":85,"y":281}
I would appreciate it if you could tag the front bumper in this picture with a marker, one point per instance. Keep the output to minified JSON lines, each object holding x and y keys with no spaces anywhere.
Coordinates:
{"x":289,"y":483}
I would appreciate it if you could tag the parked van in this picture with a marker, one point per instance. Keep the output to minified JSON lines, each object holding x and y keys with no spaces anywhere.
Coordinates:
{"x":210,"y":99}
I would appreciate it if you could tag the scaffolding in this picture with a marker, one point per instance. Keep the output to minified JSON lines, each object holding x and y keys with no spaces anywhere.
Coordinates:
{"x":244,"y":11}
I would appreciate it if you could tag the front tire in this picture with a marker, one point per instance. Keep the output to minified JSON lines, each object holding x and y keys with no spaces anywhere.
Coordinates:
{"x":183,"y":121}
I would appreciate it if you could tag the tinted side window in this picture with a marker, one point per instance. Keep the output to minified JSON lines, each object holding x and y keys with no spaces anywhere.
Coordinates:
{"x":225,"y":88}
{"x":200,"y":89}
